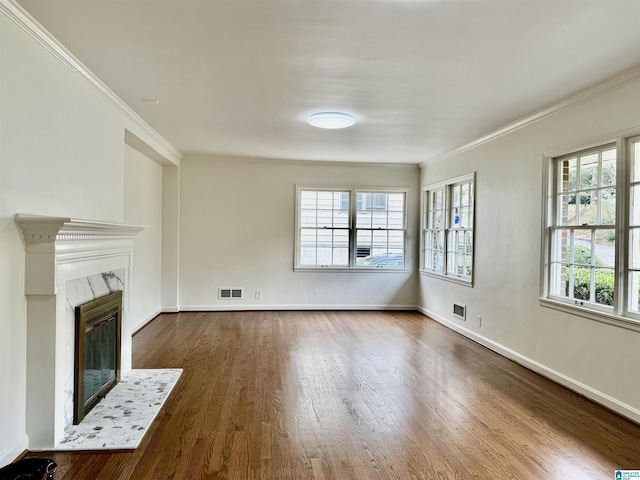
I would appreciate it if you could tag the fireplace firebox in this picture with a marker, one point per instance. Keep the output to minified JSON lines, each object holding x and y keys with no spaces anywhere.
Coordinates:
{"x":97,"y":351}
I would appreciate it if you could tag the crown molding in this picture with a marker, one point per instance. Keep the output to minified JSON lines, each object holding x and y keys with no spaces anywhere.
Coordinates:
{"x":291,"y":161}
{"x":590,"y":93}
{"x":18,"y":15}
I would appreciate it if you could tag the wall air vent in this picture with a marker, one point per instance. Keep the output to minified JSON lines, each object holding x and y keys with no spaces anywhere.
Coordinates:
{"x":460,"y":311}
{"x":231,"y":293}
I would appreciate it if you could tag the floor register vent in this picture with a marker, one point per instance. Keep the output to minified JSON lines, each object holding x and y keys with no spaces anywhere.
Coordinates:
{"x":460,"y":311}
{"x":231,"y":293}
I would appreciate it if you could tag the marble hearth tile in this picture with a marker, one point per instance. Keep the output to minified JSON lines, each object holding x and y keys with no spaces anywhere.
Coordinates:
{"x":79,"y":291}
{"x":122,"y":418}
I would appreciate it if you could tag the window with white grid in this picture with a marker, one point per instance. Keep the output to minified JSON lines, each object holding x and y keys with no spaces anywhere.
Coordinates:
{"x":350,"y":229}
{"x":447,"y":229}
{"x":633,"y":273}
{"x":460,"y":231}
{"x":433,"y":236}
{"x":591,"y":259}
{"x":582,"y":263}
{"x":380,"y":229}
{"x":324,"y":228}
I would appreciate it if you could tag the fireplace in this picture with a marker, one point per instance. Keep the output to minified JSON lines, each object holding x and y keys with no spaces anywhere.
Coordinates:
{"x":97,"y":351}
{"x":68,"y":262}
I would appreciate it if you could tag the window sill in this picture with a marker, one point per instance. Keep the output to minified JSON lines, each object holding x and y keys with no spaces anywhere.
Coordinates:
{"x":351,"y":270}
{"x":585,"y":312}
{"x":448,"y":278}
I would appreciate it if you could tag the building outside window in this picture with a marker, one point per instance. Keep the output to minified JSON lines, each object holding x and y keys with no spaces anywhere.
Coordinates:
{"x":350,"y":228}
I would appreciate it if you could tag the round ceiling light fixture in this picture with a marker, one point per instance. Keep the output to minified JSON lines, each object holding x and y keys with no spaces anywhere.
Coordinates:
{"x":331,"y":120}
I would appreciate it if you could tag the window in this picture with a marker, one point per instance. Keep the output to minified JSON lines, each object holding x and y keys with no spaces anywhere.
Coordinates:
{"x":350,"y":229}
{"x":324,"y":228}
{"x":592,"y":231}
{"x":380,"y":229}
{"x":434,"y":244}
{"x":633,"y":273}
{"x":447,"y":239}
{"x":583,"y":232}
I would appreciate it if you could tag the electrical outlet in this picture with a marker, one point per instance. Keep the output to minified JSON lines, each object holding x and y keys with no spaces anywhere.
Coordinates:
{"x":479,"y":320}
{"x":258,"y":295}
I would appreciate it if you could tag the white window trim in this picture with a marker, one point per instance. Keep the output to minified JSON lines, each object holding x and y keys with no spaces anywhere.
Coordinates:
{"x":618,"y":315}
{"x":352,"y":267}
{"x":445,"y":185}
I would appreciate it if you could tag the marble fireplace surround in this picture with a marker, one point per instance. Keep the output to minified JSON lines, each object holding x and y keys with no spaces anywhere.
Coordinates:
{"x":67,"y":262}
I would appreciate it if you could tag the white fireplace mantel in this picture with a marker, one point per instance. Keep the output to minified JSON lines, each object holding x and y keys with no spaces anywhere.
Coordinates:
{"x":60,"y":250}
{"x":52,"y":241}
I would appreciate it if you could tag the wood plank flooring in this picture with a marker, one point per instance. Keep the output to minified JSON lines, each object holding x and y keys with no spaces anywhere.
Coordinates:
{"x":353,"y":395}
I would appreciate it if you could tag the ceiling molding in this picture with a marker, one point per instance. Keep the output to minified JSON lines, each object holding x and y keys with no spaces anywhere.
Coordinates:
{"x":28,"y":24}
{"x":615,"y":83}
{"x":293,"y":161}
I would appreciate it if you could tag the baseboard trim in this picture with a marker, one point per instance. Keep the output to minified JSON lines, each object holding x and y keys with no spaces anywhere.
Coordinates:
{"x":14,"y":451}
{"x":233,"y":307}
{"x":170,"y":310}
{"x":144,"y":323}
{"x":603,"y":399}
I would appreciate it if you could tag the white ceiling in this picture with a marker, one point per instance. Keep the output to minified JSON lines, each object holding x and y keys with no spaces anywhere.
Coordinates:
{"x":239,"y":77}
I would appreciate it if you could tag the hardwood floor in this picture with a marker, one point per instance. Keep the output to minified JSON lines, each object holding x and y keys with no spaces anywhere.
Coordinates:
{"x":353,"y":395}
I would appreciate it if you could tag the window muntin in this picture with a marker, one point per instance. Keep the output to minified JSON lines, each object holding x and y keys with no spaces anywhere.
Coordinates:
{"x":447,"y":239}
{"x":334,"y":231}
{"x":582,"y":263}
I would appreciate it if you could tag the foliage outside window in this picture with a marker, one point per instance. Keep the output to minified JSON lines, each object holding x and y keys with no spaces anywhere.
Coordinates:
{"x":350,"y":229}
{"x":447,"y":234}
{"x":594,"y":229}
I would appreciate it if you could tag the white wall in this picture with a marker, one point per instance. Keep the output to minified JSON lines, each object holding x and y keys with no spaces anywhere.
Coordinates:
{"x":170,"y":237}
{"x":237,"y":223}
{"x":143,"y":206}
{"x":596,"y":359}
{"x":61,"y":153}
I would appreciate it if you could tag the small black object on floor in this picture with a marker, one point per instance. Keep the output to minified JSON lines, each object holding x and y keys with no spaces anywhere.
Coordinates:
{"x":29,"y":469}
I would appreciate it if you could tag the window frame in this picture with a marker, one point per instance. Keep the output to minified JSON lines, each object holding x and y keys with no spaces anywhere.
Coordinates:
{"x":619,"y":314}
{"x":447,"y":228}
{"x":353,"y":228}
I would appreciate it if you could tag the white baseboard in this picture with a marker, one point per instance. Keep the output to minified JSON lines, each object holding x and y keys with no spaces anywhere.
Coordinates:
{"x":232,"y":307}
{"x":14,"y":451}
{"x":585,"y":390}
{"x":146,"y":321}
{"x":170,"y":310}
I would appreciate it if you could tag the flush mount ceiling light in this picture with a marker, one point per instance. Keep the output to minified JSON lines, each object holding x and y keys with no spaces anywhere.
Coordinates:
{"x":331,"y":120}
